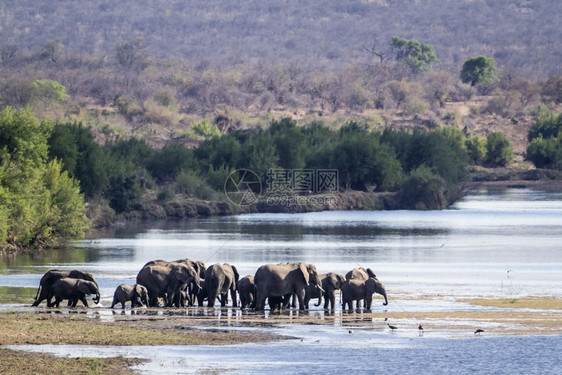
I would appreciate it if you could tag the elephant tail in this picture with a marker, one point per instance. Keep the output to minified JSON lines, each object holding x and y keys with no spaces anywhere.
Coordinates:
{"x":38,"y":291}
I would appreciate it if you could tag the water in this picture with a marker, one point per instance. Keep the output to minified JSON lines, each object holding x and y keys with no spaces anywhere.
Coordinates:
{"x":464,"y":251}
{"x":503,"y":243}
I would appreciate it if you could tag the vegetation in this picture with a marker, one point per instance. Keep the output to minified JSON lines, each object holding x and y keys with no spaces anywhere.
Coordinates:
{"x":40,"y":204}
{"x":479,"y":69}
{"x":545,"y":142}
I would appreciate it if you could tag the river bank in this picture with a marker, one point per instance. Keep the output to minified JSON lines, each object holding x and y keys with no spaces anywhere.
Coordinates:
{"x":182,"y":207}
{"x":25,"y":330}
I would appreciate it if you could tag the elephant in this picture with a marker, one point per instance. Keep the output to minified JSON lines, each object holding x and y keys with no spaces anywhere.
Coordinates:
{"x":49,"y":279}
{"x":184,"y":299}
{"x":166,"y":281}
{"x":137,"y":294}
{"x":355,"y":290}
{"x":73,"y":290}
{"x":360,"y":274}
{"x":246,"y":290}
{"x":286,"y":279}
{"x":202,"y":294}
{"x":331,"y":282}
{"x":219,"y":279}
{"x":192,"y":286}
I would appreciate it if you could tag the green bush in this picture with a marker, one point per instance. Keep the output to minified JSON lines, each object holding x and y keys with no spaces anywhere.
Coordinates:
{"x":498,"y":149}
{"x":545,"y":153}
{"x":423,"y":189}
{"x":476,"y":149}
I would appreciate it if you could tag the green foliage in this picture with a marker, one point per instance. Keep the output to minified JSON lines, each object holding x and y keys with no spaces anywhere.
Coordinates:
{"x":443,"y":150}
{"x":499,"y":151}
{"x":362,"y":161}
{"x":418,"y":56}
{"x":40,"y":205}
{"x":423,"y":189}
{"x":547,"y":126}
{"x":289,"y":143}
{"x":81,"y":155}
{"x":205,"y":130}
{"x":545,"y":153}
{"x":479,"y":69}
{"x":49,"y":91}
{"x":476,"y":149}
{"x":167,"y":164}
{"x":124,"y":192}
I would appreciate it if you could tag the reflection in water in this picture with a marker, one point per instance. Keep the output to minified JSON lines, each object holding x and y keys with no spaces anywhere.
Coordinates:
{"x":463,"y":251}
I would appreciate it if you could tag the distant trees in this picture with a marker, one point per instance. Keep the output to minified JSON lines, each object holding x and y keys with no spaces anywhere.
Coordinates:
{"x":417,"y":55}
{"x":479,"y":69}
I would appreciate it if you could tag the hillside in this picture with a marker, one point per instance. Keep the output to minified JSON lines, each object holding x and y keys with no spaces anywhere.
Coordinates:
{"x":316,"y":35}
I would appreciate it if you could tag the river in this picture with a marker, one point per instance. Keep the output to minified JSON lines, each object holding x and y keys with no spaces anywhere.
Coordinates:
{"x":495,"y":243}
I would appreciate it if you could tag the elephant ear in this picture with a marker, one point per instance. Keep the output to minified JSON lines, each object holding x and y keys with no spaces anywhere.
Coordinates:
{"x":236,"y":274}
{"x":83,"y":287}
{"x":138,"y":289}
{"x":333,"y":280}
{"x":304,"y":269}
{"x":341,"y":280}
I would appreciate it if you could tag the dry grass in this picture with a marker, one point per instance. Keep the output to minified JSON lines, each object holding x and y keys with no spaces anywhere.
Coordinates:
{"x":14,"y":362}
{"x":28,"y":328}
{"x":519,"y":303}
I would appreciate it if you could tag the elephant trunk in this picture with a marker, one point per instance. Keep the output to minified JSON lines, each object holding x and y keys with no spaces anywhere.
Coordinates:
{"x":320,"y":292}
{"x":383,"y":293}
{"x":97,"y":298}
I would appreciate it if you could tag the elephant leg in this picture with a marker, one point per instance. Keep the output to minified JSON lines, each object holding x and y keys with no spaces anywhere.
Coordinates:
{"x":300,"y":296}
{"x":259,"y":304}
{"x":233,"y":295}
{"x":84,"y":300}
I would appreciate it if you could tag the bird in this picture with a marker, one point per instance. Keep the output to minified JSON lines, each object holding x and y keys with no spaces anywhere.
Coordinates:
{"x":478,"y":331}
{"x":391,"y":327}
{"x":350,"y":331}
{"x":420,"y":329}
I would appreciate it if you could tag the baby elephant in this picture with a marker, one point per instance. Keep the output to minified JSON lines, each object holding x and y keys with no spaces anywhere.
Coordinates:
{"x":73,"y":290}
{"x":137,"y":294}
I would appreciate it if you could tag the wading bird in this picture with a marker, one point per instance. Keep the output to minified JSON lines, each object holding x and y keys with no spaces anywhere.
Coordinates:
{"x":478,"y":331}
{"x":391,"y":327}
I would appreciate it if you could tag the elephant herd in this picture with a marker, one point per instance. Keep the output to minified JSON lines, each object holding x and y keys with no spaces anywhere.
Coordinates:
{"x":183,"y":282}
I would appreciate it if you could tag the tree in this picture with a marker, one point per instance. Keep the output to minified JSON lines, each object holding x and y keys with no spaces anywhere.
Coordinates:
{"x":40,"y":205}
{"x":498,"y":149}
{"x":48,"y":91}
{"x":479,"y":69}
{"x":418,"y":56}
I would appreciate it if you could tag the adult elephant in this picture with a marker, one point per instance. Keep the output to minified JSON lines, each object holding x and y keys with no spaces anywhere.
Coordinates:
{"x":193,"y":288}
{"x":166,"y":281}
{"x":52,"y":276}
{"x":73,"y":290}
{"x":360,"y":274}
{"x":284,"y":280}
{"x":137,"y":294}
{"x":331,"y":282}
{"x":219,"y":280}
{"x":246,"y":290}
{"x":356,"y":290}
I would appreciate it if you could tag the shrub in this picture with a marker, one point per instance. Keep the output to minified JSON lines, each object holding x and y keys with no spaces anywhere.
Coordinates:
{"x":423,"y":189}
{"x":498,"y":149}
{"x":476,"y":149}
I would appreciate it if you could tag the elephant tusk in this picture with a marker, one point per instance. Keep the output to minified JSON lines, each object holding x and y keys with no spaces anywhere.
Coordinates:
{"x":322,"y":290}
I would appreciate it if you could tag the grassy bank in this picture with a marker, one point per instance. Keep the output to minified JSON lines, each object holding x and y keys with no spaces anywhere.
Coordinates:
{"x":15,"y":362}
